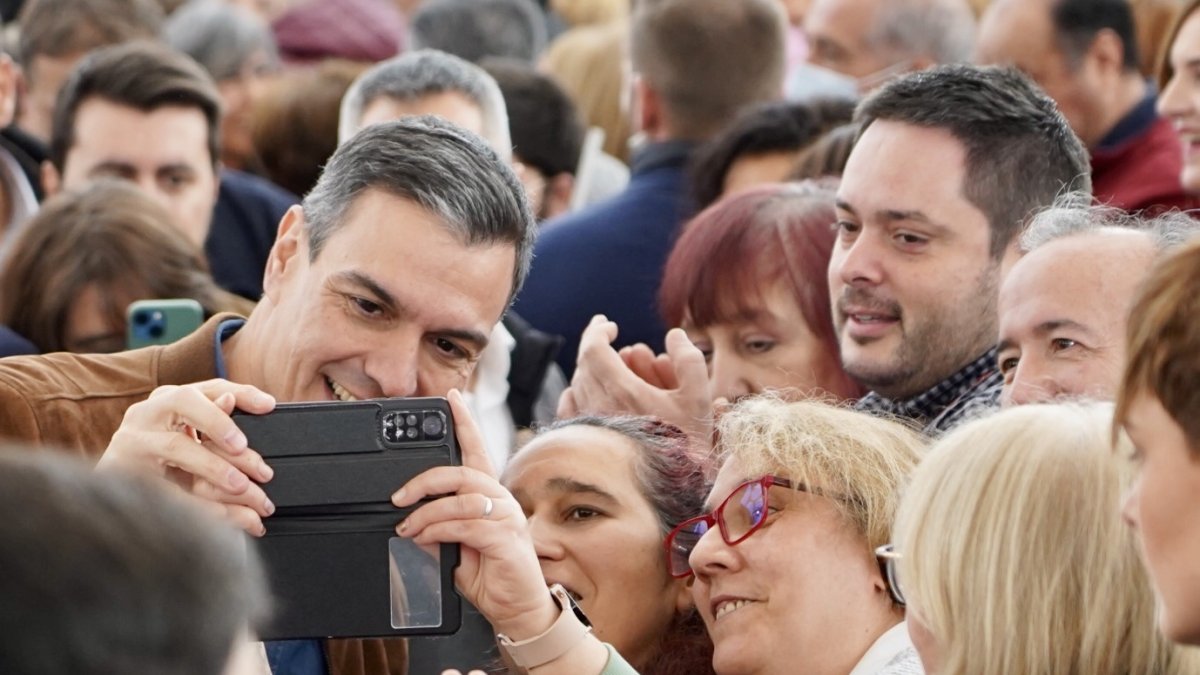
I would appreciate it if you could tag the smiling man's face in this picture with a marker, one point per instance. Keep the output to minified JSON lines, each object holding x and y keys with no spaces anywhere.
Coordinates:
{"x":394,"y":305}
{"x":912,"y":279}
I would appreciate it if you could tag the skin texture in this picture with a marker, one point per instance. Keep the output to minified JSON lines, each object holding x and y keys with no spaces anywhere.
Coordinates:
{"x":816,"y":593}
{"x":838,"y":30}
{"x":774,"y":349}
{"x":923,"y":641}
{"x":405,"y":308}
{"x":170,"y":162}
{"x":1063,"y":311}
{"x":1093,"y":94}
{"x":1163,"y":506}
{"x":1180,"y":100}
{"x":578,"y":489}
{"x":450,"y":106}
{"x":912,"y":282}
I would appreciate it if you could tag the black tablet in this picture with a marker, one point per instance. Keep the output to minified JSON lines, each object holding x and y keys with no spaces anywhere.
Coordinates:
{"x":335,"y":566}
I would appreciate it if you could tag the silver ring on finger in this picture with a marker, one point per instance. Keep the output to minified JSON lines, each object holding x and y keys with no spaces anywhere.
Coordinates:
{"x":488,"y":505}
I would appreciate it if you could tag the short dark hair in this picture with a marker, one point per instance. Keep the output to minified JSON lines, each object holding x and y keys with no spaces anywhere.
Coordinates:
{"x":476,"y":29}
{"x":546,"y":129}
{"x":1076,"y":23}
{"x":65,"y":27}
{"x":708,"y":59}
{"x":108,"y":574}
{"x":1020,"y":151}
{"x":142,"y":75}
{"x":781,"y":126}
{"x":450,"y":172}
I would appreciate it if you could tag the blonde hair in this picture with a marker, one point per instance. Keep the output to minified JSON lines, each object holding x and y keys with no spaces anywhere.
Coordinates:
{"x":858,"y":459}
{"x":1014,"y":554}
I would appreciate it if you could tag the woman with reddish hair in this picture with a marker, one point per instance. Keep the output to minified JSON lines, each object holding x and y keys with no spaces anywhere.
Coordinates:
{"x":746,"y":287}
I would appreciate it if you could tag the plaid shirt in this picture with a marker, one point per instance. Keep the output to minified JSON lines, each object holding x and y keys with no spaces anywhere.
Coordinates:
{"x":972,"y":392}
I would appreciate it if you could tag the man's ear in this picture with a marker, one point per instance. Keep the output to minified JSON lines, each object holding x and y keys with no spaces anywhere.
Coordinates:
{"x":647,"y":108}
{"x":287,"y":253}
{"x":51,"y":179}
{"x":558,"y":195}
{"x":1107,"y":52}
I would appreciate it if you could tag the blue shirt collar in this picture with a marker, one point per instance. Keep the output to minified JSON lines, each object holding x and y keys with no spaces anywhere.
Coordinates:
{"x":1133,"y":124}
{"x":224,"y":330}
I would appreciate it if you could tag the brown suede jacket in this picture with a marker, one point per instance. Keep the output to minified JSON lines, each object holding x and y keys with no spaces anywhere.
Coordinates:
{"x":75,"y":402}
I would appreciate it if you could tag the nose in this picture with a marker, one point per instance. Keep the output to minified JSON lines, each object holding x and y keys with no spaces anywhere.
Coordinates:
{"x":726,"y":375}
{"x":1130,"y":502}
{"x":395,"y":366}
{"x":713,"y":556}
{"x":856,"y":262}
{"x":1174,"y":101}
{"x":546,"y":543}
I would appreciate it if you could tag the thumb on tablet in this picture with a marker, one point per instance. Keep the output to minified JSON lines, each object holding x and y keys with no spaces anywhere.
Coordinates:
{"x":470,"y":439}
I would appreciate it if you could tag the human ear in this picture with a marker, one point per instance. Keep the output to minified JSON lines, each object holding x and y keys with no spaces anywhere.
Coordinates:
{"x":683,"y":595}
{"x":288,"y":251}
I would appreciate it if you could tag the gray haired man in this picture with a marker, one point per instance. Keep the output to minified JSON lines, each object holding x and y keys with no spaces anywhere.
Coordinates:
{"x":1064,"y":305}
{"x":385,"y":282}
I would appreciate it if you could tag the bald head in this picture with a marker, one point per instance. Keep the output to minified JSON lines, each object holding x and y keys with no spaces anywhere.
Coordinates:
{"x":1063,"y":310}
{"x":868,"y":38}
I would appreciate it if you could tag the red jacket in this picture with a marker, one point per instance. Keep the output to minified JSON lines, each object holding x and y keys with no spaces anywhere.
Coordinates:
{"x":1142,"y":172}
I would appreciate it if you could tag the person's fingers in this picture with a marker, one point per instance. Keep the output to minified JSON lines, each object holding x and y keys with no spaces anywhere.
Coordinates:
{"x":253,"y":497}
{"x":640,"y":359}
{"x":447,"y":480}
{"x":688,"y":364}
{"x":193,"y":407}
{"x":470,"y":438}
{"x":664,"y":369}
{"x":244,"y":518}
{"x":471,"y":506}
{"x":567,"y":407}
{"x":179,"y":450}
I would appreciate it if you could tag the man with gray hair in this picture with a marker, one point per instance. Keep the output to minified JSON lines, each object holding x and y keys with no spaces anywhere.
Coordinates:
{"x":1064,"y":305}
{"x":872,"y":41}
{"x":385,"y":282}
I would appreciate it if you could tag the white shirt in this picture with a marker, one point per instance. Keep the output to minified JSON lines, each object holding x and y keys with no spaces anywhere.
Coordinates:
{"x":488,"y":396}
{"x":892,"y":654}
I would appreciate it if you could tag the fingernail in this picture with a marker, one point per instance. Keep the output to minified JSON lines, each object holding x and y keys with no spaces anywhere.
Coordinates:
{"x":236,"y":440}
{"x":264,"y":399}
{"x":399,"y":496}
{"x":269,"y":507}
{"x":402,"y":527}
{"x":238,"y":480}
{"x":262,"y":530}
{"x":265,"y":472}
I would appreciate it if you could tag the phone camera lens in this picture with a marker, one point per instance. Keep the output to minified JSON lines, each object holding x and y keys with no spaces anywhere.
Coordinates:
{"x":434,"y":426}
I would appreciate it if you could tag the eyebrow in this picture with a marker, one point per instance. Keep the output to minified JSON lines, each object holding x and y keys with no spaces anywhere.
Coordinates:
{"x":389,"y":302}
{"x":570,"y":485}
{"x":892,"y":215}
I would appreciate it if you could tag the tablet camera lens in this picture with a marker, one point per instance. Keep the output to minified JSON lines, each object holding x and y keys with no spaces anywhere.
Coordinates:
{"x":434,"y":426}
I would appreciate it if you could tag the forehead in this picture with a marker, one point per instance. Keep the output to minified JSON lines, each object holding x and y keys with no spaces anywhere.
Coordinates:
{"x":900,"y":166}
{"x":1088,"y":279}
{"x":1187,"y":43}
{"x":843,"y":21}
{"x":452,"y":106}
{"x":417,"y":259}
{"x":171,"y":134}
{"x":588,"y":454}
{"x":1014,"y":32}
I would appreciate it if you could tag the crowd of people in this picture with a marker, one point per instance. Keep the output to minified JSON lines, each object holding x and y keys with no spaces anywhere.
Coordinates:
{"x":833,"y":337}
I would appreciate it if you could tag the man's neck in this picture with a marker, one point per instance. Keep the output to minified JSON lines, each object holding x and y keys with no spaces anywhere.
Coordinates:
{"x":1127,"y":95}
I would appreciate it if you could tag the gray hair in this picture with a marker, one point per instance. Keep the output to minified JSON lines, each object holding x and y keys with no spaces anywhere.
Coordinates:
{"x":446,"y":170}
{"x":220,"y":36}
{"x":475,"y":29}
{"x":943,"y":30}
{"x":427,"y":72}
{"x":1073,"y":214}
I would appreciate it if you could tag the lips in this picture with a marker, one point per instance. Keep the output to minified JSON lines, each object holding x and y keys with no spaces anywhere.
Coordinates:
{"x":866,"y":317}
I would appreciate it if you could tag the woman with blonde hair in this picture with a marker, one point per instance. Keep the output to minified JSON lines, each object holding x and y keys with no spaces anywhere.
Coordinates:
{"x":1012,"y":556}
{"x":786,"y":579}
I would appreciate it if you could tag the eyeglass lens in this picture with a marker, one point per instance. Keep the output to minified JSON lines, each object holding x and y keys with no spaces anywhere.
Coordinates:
{"x":739,"y":515}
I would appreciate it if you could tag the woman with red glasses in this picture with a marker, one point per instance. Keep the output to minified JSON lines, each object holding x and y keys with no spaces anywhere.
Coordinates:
{"x":785,"y":575}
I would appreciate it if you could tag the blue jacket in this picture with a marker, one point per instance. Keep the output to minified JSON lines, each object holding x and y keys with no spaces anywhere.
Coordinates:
{"x":608,"y":259}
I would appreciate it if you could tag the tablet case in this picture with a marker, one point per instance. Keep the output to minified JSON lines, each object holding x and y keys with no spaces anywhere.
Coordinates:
{"x":326,"y":549}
